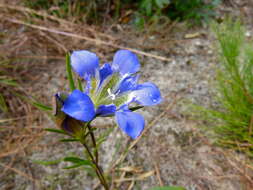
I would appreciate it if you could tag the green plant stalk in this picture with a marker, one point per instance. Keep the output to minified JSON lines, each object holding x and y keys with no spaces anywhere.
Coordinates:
{"x":94,"y":142}
{"x":69,"y":73}
{"x":117,"y":10}
{"x":97,"y":168}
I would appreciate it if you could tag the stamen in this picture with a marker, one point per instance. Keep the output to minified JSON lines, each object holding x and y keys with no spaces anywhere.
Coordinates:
{"x":113,"y":96}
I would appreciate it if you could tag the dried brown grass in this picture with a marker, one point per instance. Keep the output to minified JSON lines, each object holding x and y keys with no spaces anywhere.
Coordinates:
{"x":57,"y":29}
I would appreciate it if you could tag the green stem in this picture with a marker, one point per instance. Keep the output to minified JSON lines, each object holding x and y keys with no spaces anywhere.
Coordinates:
{"x":93,"y":158}
{"x":93,"y":141}
{"x":98,"y":170}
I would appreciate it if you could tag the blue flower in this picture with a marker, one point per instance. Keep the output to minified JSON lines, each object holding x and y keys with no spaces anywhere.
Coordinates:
{"x":109,"y":90}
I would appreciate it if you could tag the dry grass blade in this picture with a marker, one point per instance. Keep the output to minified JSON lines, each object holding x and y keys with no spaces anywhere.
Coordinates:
{"x":243,"y":167}
{"x":53,"y":18}
{"x":12,"y":119}
{"x":97,"y":42}
{"x":158,"y":175}
{"x":21,"y":174}
{"x":242,"y":171}
{"x":39,"y":57}
{"x":11,"y":149}
{"x":131,"y":186}
{"x":130,"y":169}
{"x":139,"y":177}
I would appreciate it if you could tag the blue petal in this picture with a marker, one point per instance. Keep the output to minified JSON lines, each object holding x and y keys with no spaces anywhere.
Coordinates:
{"x":105,"y":71}
{"x":84,"y":62}
{"x":146,"y":94}
{"x":126,"y":62}
{"x":130,"y":122}
{"x":79,"y":106}
{"x":105,"y":110}
{"x":127,"y":84}
{"x":88,"y":84}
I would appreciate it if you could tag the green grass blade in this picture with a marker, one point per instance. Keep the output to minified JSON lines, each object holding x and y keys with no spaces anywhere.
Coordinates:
{"x":42,"y":106}
{"x":73,"y":166}
{"x":69,"y":140}
{"x":77,"y":160}
{"x":80,"y":86}
{"x":3,"y":105}
{"x":47,"y":163}
{"x":9,"y":82}
{"x":69,"y":73}
{"x":55,"y":131}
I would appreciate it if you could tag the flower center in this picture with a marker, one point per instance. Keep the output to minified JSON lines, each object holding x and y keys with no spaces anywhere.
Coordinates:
{"x":111,"y":95}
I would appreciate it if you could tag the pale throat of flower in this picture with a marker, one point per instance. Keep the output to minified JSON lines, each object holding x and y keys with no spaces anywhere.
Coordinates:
{"x":109,"y":91}
{"x":111,"y":95}
{"x":131,"y":97}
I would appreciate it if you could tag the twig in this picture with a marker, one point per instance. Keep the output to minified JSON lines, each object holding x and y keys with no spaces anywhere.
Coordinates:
{"x":131,"y":185}
{"x":157,"y":171}
{"x":122,"y":176}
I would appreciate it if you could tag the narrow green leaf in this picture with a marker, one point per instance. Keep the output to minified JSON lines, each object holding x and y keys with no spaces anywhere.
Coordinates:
{"x":73,"y":166}
{"x":77,"y":160}
{"x":146,"y":6}
{"x":162,"y":3}
{"x":69,"y":73}
{"x":32,"y":100}
{"x":56,"y":131}
{"x":168,"y":188}
{"x":80,"y":86}
{"x":69,"y":140}
{"x":90,"y":171}
{"x":42,"y":106}
{"x":9,"y":82}
{"x":47,"y":163}
{"x":3,"y":105}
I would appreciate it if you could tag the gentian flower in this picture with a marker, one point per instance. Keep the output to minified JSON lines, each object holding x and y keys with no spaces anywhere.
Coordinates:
{"x":109,"y":90}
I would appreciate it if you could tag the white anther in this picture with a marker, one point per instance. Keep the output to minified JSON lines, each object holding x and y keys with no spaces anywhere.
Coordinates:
{"x":113,"y":96}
